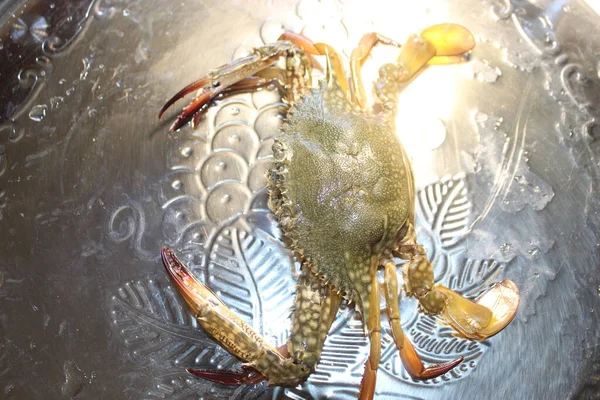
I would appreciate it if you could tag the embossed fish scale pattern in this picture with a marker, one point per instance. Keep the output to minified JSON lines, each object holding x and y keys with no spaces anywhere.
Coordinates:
{"x":225,"y":163}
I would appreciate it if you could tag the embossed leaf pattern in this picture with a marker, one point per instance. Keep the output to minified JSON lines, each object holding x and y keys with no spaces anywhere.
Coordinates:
{"x":241,"y":272}
{"x":179,"y":387}
{"x":154,"y":324}
{"x":474,"y":276}
{"x":157,"y":329}
{"x":446,"y":209}
{"x":159,"y":332}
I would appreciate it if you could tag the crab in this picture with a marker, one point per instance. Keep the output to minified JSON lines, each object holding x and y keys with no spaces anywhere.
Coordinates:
{"x":342,"y":189}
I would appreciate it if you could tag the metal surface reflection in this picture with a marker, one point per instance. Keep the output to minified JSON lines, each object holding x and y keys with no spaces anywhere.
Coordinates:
{"x":92,"y":186}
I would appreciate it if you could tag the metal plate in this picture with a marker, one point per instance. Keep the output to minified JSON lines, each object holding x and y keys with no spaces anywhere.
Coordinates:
{"x":505,"y":150}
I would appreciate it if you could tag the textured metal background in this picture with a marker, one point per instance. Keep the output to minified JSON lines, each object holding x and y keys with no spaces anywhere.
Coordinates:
{"x":505,"y":150}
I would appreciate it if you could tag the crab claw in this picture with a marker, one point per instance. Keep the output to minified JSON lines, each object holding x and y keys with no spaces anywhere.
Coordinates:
{"x":196,"y":85}
{"x":449,"y":39}
{"x":487,"y":315}
{"x":195,"y":294}
{"x":208,"y":93}
{"x":414,"y":366}
{"x":247,"y":376}
{"x":228,"y":77}
{"x":263,"y":361}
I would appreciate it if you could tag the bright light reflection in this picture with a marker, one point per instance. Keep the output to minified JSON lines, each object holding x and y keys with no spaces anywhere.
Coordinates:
{"x":426,"y":104}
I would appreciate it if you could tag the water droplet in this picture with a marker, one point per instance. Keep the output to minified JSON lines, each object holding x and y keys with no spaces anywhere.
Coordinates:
{"x":505,"y":248}
{"x":534,"y":253}
{"x":56,"y":101}
{"x":43,"y":62}
{"x":221,"y":166}
{"x":176,"y":184}
{"x":498,"y":123}
{"x":142,"y":53}
{"x":38,"y":112}
{"x":235,"y":138}
{"x":35,"y":308}
{"x":92,"y":112}
{"x":32,"y":345}
{"x":234,"y":110}
{"x":70,"y":91}
{"x":186,"y":151}
{"x":226,"y":198}
{"x":271,"y":87}
{"x":62,"y":81}
{"x":179,"y":215}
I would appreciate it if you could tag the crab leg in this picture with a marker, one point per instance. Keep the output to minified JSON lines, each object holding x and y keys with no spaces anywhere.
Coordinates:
{"x":357,"y":59}
{"x":219,"y":80}
{"x":476,"y":320}
{"x":367,"y":385}
{"x":301,"y":41}
{"x":316,"y":307}
{"x":233,"y":333}
{"x":408,"y":355}
{"x":215,"y":83}
{"x":335,"y":67}
{"x":438,"y":44}
{"x":268,"y":76}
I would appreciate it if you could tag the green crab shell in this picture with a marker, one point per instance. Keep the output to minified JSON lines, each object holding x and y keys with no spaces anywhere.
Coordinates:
{"x":341,"y":187}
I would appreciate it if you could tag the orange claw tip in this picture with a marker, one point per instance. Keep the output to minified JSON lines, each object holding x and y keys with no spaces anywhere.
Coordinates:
{"x":433,"y":371}
{"x":222,"y":377}
{"x":175,"y":268}
{"x":194,"y":107}
{"x":301,"y":41}
{"x":199,"y":84}
{"x":168,"y":257}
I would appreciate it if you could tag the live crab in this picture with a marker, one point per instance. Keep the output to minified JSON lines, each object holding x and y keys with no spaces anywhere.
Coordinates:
{"x":342,"y":189}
